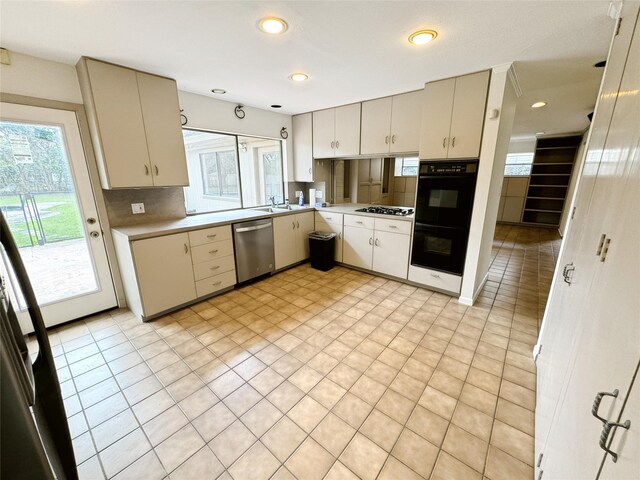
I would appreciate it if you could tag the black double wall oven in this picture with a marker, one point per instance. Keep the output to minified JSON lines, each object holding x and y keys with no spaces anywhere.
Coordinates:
{"x":444,"y":203}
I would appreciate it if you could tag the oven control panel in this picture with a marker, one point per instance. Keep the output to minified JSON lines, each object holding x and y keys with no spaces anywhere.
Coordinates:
{"x":446,"y":168}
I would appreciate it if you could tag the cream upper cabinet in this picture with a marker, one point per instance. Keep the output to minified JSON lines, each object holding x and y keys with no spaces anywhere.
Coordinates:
{"x":406,"y":120}
{"x":303,"y":148}
{"x":336,"y":132}
{"x":134,"y":119}
{"x":391,"y":124}
{"x":161,"y":114}
{"x":453,"y":117}
{"x":164,"y":272}
{"x":376,"y":125}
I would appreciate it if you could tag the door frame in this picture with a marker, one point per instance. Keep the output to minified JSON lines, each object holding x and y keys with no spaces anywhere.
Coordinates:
{"x":94,"y":177}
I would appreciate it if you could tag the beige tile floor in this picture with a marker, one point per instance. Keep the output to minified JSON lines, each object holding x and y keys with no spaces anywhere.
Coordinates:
{"x":312,"y":375}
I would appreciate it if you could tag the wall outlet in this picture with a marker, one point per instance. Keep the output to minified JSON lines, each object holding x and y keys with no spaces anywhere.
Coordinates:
{"x":298,"y":193}
{"x":137,"y":208}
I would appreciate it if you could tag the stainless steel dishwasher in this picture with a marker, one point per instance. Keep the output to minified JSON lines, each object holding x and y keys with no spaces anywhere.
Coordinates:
{"x":253,"y":242}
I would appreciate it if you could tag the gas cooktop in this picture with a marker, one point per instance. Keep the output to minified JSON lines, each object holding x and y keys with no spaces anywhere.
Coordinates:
{"x":386,"y":210}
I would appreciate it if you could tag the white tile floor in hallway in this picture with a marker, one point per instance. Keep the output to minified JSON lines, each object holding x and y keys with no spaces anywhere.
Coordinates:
{"x":313,"y":375}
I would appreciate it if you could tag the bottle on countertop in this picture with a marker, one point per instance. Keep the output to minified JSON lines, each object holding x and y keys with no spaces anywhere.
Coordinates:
{"x":301,"y":202}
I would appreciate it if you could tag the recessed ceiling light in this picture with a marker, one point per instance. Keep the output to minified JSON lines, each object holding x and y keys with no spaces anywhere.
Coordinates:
{"x":538,"y":105}
{"x":539,"y":133}
{"x":298,"y":77}
{"x":218,"y":91}
{"x":276,"y":106}
{"x":272,"y":25}
{"x":422,"y":36}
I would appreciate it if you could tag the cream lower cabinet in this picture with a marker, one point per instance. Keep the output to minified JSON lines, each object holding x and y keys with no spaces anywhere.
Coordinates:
{"x":164,"y":272}
{"x":331,"y":222}
{"x":377,"y":244}
{"x":290,"y":238}
{"x":213,"y":259}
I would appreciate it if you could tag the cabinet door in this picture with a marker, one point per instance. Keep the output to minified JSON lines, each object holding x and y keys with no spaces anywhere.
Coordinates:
{"x":391,"y":253}
{"x":347,"y":134}
{"x":357,"y":247}
{"x":324,"y":122}
{"x":121,"y":127}
{"x":305,"y":224}
{"x":302,"y":148}
{"x":436,"y":118}
{"x":406,"y":120}
{"x":376,"y":124}
{"x":284,"y":240}
{"x":164,"y":272}
{"x":469,"y":103}
{"x":161,"y":113}
{"x":512,"y":209}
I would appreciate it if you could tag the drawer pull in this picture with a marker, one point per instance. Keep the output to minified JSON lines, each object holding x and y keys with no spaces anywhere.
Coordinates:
{"x":328,"y":218}
{"x":215,"y":268}
{"x":212,"y":252}
{"x":393,"y":226}
{"x":213,"y":235}
{"x":434,"y":275}
{"x":361,"y":223}
{"x":216,"y":283}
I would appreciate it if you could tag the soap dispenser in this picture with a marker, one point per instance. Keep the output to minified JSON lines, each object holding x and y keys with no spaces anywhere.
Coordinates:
{"x":301,"y":203}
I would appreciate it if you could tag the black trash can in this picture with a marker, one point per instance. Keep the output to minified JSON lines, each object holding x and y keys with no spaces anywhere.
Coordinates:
{"x":322,"y":246}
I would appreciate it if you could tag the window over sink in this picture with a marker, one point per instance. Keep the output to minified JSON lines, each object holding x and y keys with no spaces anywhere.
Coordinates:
{"x":229,"y":171}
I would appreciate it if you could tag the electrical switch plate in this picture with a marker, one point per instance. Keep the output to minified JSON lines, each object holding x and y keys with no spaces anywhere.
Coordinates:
{"x":137,"y":208}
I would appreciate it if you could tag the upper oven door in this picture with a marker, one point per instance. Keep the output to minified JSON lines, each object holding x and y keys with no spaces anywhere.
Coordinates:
{"x":444,"y":200}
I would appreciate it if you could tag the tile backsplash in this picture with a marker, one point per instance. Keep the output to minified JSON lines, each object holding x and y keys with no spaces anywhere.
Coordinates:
{"x":159,"y":204}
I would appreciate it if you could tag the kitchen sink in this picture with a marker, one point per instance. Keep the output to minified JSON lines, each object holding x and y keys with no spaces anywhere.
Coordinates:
{"x":264,"y":209}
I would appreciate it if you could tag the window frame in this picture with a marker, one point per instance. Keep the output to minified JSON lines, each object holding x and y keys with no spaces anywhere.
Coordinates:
{"x":236,"y":151}
{"x":204,"y":181}
{"x":519,"y":164}
{"x":402,"y":167}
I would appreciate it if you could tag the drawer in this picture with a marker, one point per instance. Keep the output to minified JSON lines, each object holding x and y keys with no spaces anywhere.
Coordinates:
{"x":358,"y":221}
{"x":213,"y":267}
{"x":208,"y":235}
{"x":210,"y":251}
{"x":435,"y":279}
{"x":329,"y":217}
{"x":393,"y":226}
{"x":213,"y":284}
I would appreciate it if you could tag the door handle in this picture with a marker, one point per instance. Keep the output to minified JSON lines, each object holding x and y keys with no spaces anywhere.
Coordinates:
{"x":293,"y":225}
{"x":337,"y":144}
{"x":601,"y":244}
{"x":393,"y":139}
{"x":598,"y":399}
{"x":453,"y":142}
{"x":297,"y":224}
{"x":309,"y":170}
{"x":186,"y":248}
{"x":386,"y":140}
{"x":333,"y":144}
{"x":146,"y":170}
{"x":370,"y":241}
{"x":566,"y":272}
{"x":156,"y":168}
{"x":444,"y":142}
{"x":251,"y":229}
{"x":604,"y":436}
{"x":377,"y":243}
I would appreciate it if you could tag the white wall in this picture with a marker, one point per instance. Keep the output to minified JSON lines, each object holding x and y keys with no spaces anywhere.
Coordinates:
{"x":36,"y":77}
{"x":522,"y":145}
{"x":493,"y":153}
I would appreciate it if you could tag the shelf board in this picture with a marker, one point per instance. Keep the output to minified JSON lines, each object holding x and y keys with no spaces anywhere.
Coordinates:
{"x":545,"y":211}
{"x":551,"y":163}
{"x":542,"y":224}
{"x":560,"y":186}
{"x":546,"y":198}
{"x":551,"y":174}
{"x":560,"y":147}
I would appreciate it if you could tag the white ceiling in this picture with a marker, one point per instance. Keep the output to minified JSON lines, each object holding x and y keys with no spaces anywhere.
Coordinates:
{"x":351,"y":50}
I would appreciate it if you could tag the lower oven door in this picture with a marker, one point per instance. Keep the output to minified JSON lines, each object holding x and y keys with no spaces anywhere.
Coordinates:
{"x":439,"y":248}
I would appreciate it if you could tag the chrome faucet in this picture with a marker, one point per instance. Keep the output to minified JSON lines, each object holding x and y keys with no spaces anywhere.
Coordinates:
{"x":273,"y":201}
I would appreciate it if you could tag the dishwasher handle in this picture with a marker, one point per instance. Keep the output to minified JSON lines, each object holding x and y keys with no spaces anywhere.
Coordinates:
{"x":251,"y":229}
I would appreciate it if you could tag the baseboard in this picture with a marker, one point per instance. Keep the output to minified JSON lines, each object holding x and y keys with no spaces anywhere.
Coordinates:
{"x":470,"y":301}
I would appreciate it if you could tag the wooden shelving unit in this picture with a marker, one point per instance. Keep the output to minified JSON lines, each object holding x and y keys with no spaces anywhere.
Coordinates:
{"x":550,"y":177}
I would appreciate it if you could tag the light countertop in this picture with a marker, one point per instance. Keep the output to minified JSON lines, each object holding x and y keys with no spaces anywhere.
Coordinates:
{"x":216,"y":219}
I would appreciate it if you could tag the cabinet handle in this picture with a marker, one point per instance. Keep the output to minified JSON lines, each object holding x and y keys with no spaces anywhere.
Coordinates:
{"x":444,"y":142}
{"x":309,"y":170}
{"x":216,"y":283}
{"x":393,"y":226}
{"x":146,"y":170}
{"x":213,"y":251}
{"x":337,"y":144}
{"x":333,"y":144}
{"x":212,"y":235}
{"x":328,"y":218}
{"x":604,"y":436}
{"x":377,"y":243}
{"x":393,"y":139}
{"x":215,"y":268}
{"x":605,"y":250}
{"x":156,"y":168}
{"x":297,"y":224}
{"x":598,"y":399}
{"x":601,"y":244}
{"x":370,"y":241}
{"x":434,"y":275}
{"x":386,"y":140}
{"x":453,"y":142}
{"x":566,"y":272}
{"x":186,"y":248}
{"x":293,"y":225}
{"x":361,"y":223}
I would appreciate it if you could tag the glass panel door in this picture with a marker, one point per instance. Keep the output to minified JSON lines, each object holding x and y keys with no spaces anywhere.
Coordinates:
{"x":47,"y":200}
